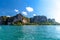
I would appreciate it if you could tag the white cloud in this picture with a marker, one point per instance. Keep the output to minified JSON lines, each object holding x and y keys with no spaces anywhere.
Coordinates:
{"x":16,"y":10}
{"x":25,"y":13}
{"x":34,"y":14}
{"x":29,"y":9}
{"x":8,"y":16}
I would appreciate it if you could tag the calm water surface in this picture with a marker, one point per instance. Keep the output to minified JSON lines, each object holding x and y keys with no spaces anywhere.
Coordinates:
{"x":30,"y":32}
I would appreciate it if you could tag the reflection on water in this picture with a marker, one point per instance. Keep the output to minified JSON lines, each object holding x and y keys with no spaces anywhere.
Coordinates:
{"x":58,"y":28}
{"x":30,"y":32}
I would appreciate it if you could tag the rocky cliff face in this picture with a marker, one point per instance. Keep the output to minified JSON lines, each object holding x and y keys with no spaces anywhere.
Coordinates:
{"x":17,"y":18}
{"x":38,"y":19}
{"x":20,"y":19}
{"x":11,"y":20}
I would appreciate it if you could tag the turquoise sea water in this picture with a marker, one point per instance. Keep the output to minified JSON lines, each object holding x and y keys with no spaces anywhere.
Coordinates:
{"x":30,"y":32}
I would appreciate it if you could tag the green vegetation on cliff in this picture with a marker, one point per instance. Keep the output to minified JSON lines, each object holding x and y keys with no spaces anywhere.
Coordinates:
{"x":19,"y":19}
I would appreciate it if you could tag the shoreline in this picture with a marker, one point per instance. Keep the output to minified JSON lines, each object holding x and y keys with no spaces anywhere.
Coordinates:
{"x":26,"y":25}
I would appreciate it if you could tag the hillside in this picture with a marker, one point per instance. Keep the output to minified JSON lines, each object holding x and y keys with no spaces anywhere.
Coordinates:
{"x":19,"y":19}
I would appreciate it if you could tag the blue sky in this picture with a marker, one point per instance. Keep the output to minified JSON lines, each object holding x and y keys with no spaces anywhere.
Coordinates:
{"x":49,"y":8}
